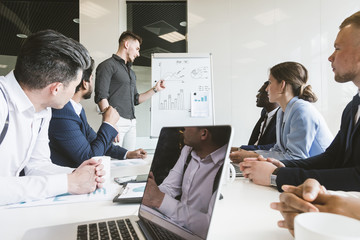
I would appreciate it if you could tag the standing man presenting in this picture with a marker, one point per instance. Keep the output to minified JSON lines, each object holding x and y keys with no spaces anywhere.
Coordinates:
{"x":115,"y":86}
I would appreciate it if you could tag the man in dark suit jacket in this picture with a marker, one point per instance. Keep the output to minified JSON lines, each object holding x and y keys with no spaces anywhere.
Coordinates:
{"x":263,"y":136}
{"x":338,"y":168}
{"x":72,"y":140}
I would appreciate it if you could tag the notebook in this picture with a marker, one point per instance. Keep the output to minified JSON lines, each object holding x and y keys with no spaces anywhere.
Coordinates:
{"x":187,"y":205}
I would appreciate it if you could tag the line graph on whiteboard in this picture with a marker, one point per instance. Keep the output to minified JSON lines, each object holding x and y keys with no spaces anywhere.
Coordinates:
{"x":179,"y":78}
{"x":181,"y":71}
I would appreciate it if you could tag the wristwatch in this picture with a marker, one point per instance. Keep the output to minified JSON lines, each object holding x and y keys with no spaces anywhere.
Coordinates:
{"x":154,"y":89}
{"x":273,"y":177}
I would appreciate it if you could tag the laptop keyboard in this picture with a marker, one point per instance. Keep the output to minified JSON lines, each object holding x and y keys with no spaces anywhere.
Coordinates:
{"x":237,"y":170}
{"x":161,"y":233}
{"x":118,"y":229}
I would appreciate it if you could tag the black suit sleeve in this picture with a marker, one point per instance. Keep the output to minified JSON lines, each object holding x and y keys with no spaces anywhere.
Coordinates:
{"x":345,"y":179}
{"x":257,"y":147}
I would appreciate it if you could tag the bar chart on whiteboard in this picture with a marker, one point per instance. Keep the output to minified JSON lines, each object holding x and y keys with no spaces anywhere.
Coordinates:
{"x":172,"y":101}
{"x":188,"y":97}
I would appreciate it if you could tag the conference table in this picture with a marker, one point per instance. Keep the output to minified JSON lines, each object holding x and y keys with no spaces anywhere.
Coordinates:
{"x":243,"y":213}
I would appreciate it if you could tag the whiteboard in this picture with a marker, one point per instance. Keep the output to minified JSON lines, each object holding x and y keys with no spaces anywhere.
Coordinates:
{"x":187,"y":99}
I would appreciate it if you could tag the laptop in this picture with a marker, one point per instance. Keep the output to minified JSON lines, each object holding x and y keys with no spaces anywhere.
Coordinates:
{"x":238,"y":172}
{"x":173,"y":152}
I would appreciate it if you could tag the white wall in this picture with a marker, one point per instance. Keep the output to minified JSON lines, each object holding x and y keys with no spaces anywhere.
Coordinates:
{"x":246,"y":38}
{"x":100,"y":28}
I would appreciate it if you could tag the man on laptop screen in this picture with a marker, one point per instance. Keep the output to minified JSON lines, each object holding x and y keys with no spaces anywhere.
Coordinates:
{"x":187,"y":194}
{"x":180,"y":194}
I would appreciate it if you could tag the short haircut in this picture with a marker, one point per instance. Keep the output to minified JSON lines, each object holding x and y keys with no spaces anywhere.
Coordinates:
{"x":129,"y":35}
{"x":219,"y":135}
{"x":353,"y":19}
{"x":264,"y":86}
{"x":86,"y":75}
{"x":47,"y":57}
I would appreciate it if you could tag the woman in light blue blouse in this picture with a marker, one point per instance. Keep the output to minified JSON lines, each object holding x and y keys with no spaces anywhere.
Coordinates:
{"x":301,"y":131}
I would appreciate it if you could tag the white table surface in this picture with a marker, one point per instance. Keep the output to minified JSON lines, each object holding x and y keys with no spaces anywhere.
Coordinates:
{"x":244,"y":213}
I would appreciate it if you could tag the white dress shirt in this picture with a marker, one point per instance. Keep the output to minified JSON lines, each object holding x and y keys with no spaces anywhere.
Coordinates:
{"x":77,"y":107}
{"x":26,"y":146}
{"x":270,"y":115}
{"x":194,"y":209}
{"x":357,"y":113}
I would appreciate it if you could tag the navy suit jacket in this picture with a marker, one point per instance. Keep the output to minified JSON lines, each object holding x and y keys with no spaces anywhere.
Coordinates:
{"x":73,"y":141}
{"x":338,"y":168}
{"x":267,"y":140}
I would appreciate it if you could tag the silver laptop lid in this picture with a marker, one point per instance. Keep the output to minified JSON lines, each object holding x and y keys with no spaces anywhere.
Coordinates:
{"x":184,"y":179}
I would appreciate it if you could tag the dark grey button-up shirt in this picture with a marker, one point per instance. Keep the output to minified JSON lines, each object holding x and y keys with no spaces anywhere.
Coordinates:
{"x":116,"y":82}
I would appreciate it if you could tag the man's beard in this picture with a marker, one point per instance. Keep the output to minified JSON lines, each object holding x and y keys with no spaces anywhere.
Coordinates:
{"x":88,"y":94}
{"x":347,"y":77}
{"x":129,"y":59}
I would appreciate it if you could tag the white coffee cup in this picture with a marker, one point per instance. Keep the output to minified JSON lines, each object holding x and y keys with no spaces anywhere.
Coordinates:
{"x":106,"y":162}
{"x":230,"y":177}
{"x":326,"y":226}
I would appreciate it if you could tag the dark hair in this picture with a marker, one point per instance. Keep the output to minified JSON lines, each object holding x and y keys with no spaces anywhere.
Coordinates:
{"x":353,"y":19}
{"x":129,"y":35}
{"x":86,"y":74}
{"x":264,"y":86}
{"x":47,"y":57}
{"x":296,"y":75}
{"x":219,"y":134}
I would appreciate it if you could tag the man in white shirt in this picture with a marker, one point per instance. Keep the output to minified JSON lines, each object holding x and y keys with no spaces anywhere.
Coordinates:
{"x":48,"y":69}
{"x":192,"y":180}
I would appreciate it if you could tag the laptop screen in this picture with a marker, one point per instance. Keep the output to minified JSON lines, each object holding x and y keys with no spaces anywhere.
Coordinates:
{"x":184,"y":177}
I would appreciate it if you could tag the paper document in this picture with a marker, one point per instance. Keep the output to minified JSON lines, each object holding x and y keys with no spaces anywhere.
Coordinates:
{"x":133,"y":190}
{"x":200,"y":105}
{"x":129,"y":162}
{"x":106,"y":193}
